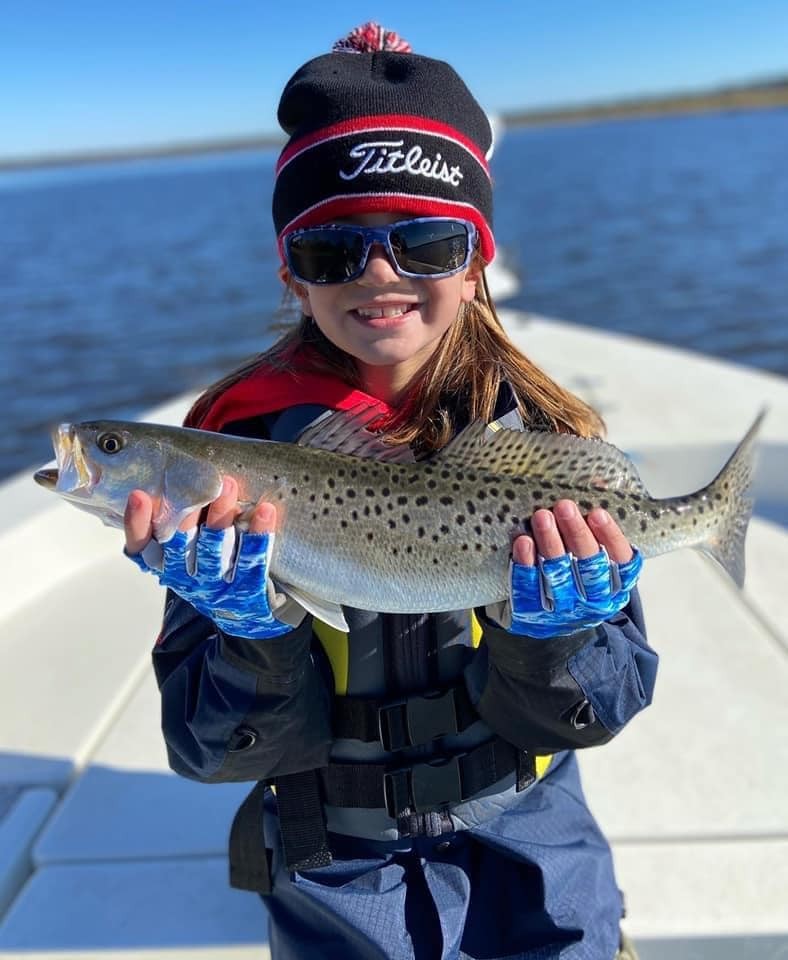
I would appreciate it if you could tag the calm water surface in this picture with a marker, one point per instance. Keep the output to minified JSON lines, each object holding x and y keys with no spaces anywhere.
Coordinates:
{"x":122,"y":285}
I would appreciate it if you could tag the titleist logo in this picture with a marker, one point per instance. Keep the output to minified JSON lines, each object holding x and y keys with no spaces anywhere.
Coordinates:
{"x":386,"y":156}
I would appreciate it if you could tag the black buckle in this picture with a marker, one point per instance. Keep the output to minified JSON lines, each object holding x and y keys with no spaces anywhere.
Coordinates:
{"x":424,"y":786}
{"x":425,"y":719}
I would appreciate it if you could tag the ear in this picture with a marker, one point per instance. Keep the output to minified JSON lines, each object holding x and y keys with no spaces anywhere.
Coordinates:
{"x":298,"y":289}
{"x":472,"y":277}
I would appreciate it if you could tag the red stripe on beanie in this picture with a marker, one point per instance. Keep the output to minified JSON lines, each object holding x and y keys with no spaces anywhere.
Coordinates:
{"x":393,"y":121}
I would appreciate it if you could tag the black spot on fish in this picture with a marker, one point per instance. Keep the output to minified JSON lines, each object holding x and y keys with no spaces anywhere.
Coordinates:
{"x":464,"y":546}
{"x":435,"y":538}
{"x":395,"y":551}
{"x":481,"y":495}
{"x":447,"y":501}
{"x":487,"y":518}
{"x":326,"y":511}
{"x":350,"y":493}
{"x":354,"y":514}
{"x":353,"y":474}
{"x":460,"y":519}
{"x":392,"y":524}
{"x":378,"y":510}
{"x":421,"y":532}
{"x":494,"y":547}
{"x":604,"y":504}
{"x":343,"y":524}
{"x":314,"y":516}
{"x":643,"y":526}
{"x":312,"y":497}
{"x":406,"y":518}
{"x":700,"y":508}
{"x":537,"y":494}
{"x":622,"y":514}
{"x":655,"y":514}
{"x":478,"y":547}
{"x":402,"y":501}
{"x":432,"y":484}
{"x":435,"y":561}
{"x":331,"y":482}
{"x":341,"y":472}
{"x":673,"y":526}
{"x":386,"y":491}
{"x":370,"y":536}
{"x":694,"y":521}
{"x":338,"y":501}
{"x":444,"y":528}
{"x":409,"y":549}
{"x":477,"y":530}
{"x":326,"y":496}
{"x":367,"y":511}
{"x":369,"y":492}
{"x":510,"y":494}
{"x":421,"y":501}
{"x":456,"y":487}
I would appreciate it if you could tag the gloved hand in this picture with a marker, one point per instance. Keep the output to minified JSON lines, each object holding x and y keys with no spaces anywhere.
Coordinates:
{"x":563,"y":595}
{"x":579,"y":586}
{"x":238,"y":596}
{"x":222,"y":572}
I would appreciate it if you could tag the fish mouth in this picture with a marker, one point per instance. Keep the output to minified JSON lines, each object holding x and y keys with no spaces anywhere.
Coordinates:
{"x":47,"y":477}
{"x":73,"y":476}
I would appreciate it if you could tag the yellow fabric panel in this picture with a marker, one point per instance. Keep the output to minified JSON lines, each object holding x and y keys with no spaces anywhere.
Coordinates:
{"x":336,"y":646}
{"x":542,"y":765}
{"x":476,"y":631}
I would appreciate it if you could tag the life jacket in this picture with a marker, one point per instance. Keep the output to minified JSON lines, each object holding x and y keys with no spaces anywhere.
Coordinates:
{"x":399,"y":726}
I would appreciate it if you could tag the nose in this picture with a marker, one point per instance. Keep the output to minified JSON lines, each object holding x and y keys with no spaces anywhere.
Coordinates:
{"x":379,"y":269}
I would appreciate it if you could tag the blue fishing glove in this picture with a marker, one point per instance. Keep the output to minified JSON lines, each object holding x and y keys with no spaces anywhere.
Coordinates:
{"x":229,"y":585}
{"x":563,"y":595}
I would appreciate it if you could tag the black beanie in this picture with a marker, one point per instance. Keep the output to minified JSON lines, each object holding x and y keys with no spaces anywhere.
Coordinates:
{"x":376,"y":131}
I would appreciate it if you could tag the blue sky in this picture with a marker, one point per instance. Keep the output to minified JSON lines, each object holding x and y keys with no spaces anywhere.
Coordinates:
{"x":81,"y":74}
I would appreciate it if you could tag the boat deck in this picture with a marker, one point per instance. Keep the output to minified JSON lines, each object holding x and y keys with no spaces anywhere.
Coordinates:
{"x":105,"y":853}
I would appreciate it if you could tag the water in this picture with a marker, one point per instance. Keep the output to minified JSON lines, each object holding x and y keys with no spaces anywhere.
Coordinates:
{"x":123,"y":285}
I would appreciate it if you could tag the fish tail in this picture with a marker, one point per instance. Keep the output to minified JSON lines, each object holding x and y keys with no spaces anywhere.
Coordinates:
{"x":731,"y":488}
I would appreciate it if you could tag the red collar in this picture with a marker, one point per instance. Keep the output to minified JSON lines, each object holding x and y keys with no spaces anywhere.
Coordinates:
{"x":267,"y":390}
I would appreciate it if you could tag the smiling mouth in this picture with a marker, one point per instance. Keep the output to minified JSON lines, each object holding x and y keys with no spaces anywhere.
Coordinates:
{"x":384,"y":312}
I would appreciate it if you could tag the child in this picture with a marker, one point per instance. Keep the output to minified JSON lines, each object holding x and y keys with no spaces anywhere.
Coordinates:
{"x":419,"y":794}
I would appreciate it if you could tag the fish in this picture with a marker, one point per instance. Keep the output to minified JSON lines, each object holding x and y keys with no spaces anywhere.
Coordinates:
{"x":363,"y":524}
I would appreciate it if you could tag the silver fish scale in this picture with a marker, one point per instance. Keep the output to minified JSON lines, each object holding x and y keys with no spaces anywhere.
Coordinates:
{"x":399,"y":537}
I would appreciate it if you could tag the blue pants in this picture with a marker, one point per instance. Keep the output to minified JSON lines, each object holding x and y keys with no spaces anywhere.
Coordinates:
{"x":534,"y":882}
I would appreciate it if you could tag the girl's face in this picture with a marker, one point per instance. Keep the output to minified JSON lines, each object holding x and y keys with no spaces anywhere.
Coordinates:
{"x":390,"y":324}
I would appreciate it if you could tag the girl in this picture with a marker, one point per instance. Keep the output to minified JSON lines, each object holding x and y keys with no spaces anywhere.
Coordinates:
{"x":418,"y":792}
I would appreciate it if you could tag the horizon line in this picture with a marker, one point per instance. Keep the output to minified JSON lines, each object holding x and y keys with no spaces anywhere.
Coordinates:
{"x":754,"y":94}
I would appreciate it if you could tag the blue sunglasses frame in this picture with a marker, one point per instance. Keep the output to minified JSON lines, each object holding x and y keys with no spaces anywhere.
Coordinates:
{"x":380,"y":235}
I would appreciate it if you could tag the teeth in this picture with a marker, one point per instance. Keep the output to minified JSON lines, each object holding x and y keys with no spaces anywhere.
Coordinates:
{"x":375,"y":312}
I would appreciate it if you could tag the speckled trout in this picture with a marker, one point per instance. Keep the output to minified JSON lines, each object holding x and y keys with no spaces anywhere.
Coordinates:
{"x":359,"y":523}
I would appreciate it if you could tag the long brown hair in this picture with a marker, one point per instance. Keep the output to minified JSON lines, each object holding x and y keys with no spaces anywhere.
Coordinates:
{"x":473,"y":359}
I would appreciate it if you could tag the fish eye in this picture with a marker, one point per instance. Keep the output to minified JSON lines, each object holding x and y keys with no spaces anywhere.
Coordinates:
{"x":110,"y":442}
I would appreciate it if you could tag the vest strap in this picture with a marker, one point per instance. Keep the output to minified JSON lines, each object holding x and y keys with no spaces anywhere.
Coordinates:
{"x":250,"y":868}
{"x":302,"y":821}
{"x":425,"y":787}
{"x":404,"y":723}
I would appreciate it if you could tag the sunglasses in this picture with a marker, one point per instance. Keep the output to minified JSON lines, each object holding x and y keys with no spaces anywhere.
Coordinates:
{"x":433,"y":247}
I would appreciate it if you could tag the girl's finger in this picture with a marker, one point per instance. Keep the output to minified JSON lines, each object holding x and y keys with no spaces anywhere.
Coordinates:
{"x":138,"y":521}
{"x":224,"y":509}
{"x":578,"y":537}
{"x":610,"y":535}
{"x":524,"y":551}
{"x":263,"y":519}
{"x":546,"y":535}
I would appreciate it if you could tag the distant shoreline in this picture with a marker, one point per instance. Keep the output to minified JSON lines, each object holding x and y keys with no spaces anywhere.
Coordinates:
{"x":764,"y":95}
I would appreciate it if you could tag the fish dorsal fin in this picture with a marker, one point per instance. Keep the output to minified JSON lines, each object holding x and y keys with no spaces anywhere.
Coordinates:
{"x":560,"y":457}
{"x":346,"y":431}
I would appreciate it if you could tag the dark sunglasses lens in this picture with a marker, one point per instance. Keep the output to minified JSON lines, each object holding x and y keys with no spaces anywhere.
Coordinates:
{"x":434,"y":246}
{"x":325,"y":256}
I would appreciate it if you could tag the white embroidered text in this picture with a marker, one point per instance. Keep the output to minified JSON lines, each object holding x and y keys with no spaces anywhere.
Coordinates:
{"x":386,"y":156}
